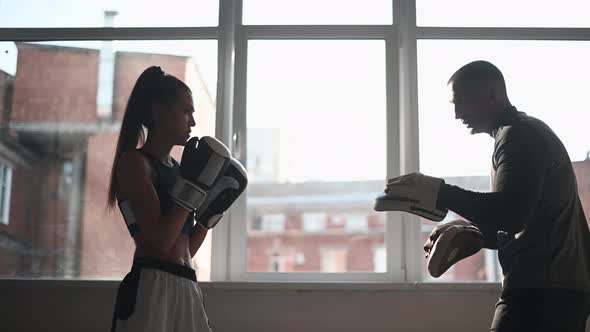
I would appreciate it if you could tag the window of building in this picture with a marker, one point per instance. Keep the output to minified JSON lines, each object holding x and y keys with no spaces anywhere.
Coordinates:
{"x":314,"y":222}
{"x":273,"y":222}
{"x":379,"y":262}
{"x":5,"y":190}
{"x":356,"y":222}
{"x":333,"y":260}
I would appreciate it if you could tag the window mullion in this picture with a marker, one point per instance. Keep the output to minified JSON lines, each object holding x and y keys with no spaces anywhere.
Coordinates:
{"x":222,"y":246}
{"x":503,"y":33}
{"x":68,"y":34}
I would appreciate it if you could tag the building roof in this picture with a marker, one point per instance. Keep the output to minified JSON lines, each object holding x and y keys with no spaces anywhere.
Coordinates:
{"x":333,"y":195}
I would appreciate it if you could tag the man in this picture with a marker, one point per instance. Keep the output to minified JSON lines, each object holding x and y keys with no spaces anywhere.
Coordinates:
{"x":532,"y":216}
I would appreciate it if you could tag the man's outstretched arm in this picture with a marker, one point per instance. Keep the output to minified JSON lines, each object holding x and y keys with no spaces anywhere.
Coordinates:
{"x":519,"y":181}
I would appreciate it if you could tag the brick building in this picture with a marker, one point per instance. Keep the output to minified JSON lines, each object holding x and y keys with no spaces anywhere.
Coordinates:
{"x":582,"y":169}
{"x":59,"y":150}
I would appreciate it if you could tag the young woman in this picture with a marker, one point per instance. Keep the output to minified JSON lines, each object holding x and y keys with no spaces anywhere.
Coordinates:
{"x":161,"y":293}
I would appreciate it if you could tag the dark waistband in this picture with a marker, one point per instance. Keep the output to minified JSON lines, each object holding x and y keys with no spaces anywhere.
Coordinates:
{"x":172,"y":268}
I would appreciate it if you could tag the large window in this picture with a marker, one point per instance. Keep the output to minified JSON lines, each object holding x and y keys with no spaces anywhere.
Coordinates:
{"x":90,"y":13}
{"x":60,"y":126}
{"x":545,"y":79}
{"x":315,"y":108}
{"x":321,"y":100}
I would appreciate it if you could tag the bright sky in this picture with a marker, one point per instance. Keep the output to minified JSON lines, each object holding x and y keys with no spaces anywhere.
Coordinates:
{"x":328,"y":98}
{"x":503,"y":13}
{"x":89,"y":13}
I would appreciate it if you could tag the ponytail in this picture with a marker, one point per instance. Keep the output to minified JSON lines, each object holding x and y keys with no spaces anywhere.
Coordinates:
{"x":152,"y":87}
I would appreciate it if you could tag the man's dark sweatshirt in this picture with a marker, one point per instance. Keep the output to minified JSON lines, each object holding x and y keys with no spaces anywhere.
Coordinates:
{"x":533,"y":215}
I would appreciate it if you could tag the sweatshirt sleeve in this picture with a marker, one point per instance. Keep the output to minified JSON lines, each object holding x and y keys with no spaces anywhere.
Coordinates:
{"x":518,"y":185}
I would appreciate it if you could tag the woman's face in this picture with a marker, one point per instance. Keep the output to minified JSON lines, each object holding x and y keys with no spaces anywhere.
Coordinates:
{"x":175,"y":121}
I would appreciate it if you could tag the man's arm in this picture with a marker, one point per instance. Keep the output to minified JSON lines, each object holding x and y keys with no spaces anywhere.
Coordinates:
{"x":519,"y":181}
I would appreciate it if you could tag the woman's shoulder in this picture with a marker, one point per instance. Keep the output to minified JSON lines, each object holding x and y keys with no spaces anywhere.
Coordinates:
{"x":133,"y":156}
{"x":133,"y":162}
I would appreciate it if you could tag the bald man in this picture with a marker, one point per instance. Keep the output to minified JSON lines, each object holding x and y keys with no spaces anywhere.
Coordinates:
{"x":532,"y":216}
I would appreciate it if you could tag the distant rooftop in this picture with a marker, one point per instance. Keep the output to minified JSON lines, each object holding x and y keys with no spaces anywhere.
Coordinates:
{"x":333,"y":195}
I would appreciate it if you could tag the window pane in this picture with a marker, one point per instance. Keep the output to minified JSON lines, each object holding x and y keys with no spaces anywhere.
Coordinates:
{"x":130,"y":13}
{"x":503,"y":13}
{"x":286,"y":12}
{"x":315,"y":110}
{"x":546,"y":79}
{"x":66,"y":101}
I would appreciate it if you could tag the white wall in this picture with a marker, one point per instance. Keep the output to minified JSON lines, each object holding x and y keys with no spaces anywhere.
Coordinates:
{"x":45,"y":305}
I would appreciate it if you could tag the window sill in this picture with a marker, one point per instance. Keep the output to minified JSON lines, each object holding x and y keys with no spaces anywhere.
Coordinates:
{"x":273,"y":286}
{"x":348,"y":286}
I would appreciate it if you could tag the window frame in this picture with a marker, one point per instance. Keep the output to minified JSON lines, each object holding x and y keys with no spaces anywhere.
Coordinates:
{"x":403,"y":247}
{"x":230,"y":263}
{"x":496,"y":33}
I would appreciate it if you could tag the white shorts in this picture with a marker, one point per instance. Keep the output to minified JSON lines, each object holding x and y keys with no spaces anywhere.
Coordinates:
{"x":159,"y":296}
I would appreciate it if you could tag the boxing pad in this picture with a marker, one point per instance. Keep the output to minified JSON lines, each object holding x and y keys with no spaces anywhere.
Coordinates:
{"x":415,"y":193}
{"x":449,"y":243}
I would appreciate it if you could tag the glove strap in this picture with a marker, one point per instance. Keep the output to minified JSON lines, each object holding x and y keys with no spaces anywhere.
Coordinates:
{"x":211,"y":222}
{"x":187,"y":194}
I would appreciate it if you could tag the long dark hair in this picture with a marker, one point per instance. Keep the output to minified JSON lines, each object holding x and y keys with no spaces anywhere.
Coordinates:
{"x":152,"y":87}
